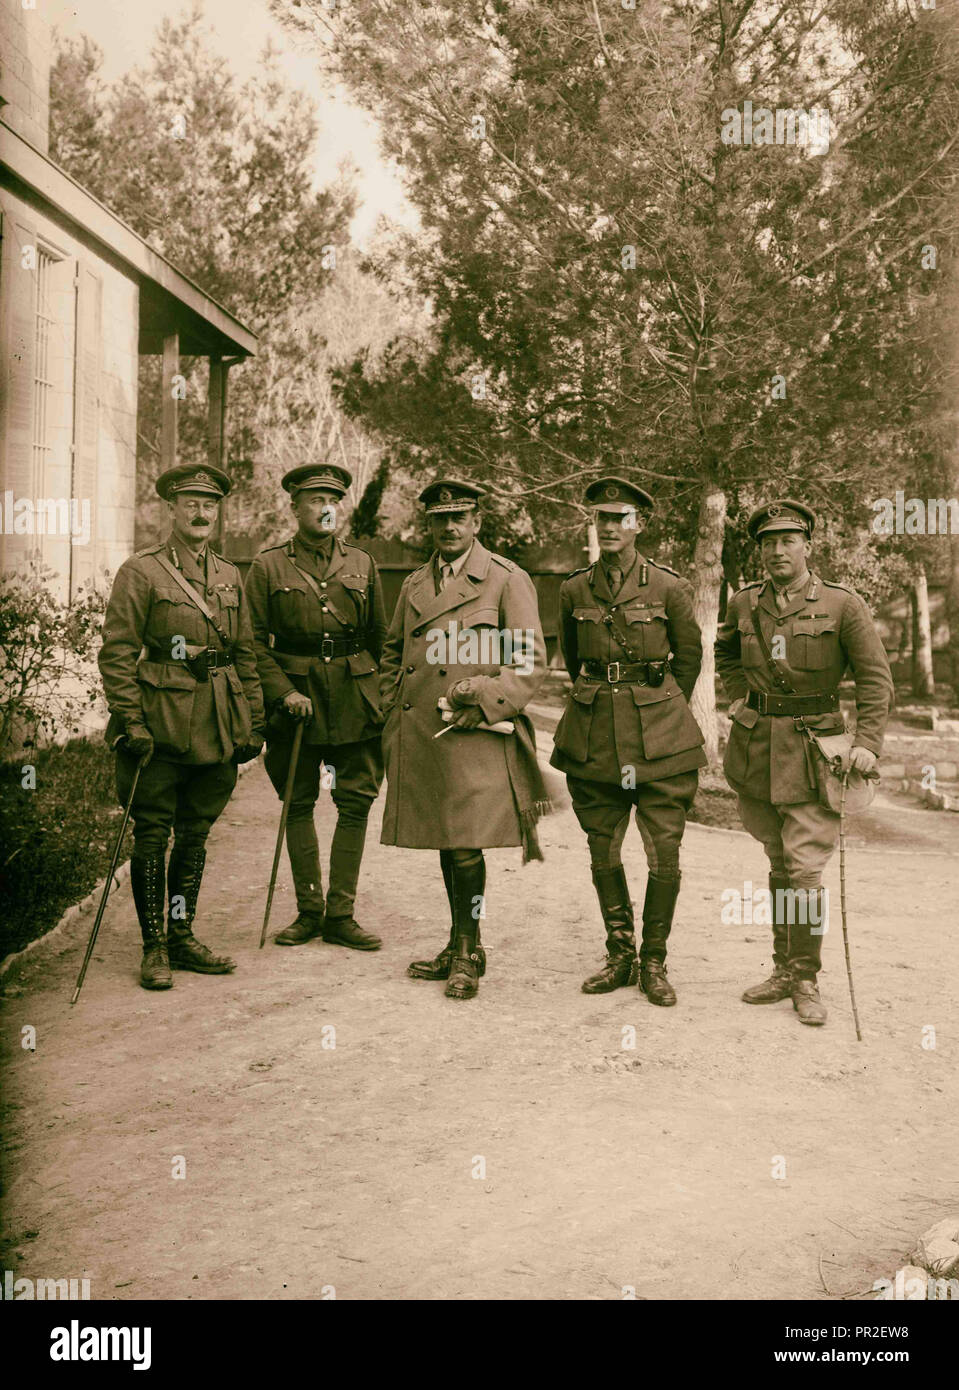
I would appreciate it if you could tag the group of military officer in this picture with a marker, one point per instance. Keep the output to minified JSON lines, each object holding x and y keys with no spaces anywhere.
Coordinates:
{"x":198,"y":673}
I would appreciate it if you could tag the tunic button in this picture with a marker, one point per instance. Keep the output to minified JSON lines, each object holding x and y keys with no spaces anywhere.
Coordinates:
{"x":325,"y":609}
{"x":501,"y":701}
{"x":323,"y":585}
{"x":442,"y":671}
{"x":410,"y":670}
{"x":407,"y":706}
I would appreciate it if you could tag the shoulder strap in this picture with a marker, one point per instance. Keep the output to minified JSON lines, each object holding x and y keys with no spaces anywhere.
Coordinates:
{"x":194,"y":597}
{"x":775,"y":674}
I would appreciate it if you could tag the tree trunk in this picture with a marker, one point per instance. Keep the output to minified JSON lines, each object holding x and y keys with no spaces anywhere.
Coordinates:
{"x":707,"y":577}
{"x":923,"y":681}
{"x":592,"y":543}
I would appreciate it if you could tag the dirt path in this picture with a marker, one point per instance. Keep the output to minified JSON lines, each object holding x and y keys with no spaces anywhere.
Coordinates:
{"x":352,"y":1167}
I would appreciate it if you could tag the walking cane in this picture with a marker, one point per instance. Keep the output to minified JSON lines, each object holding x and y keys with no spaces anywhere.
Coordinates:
{"x":287,"y":798}
{"x":842,"y":899}
{"x":106,"y":887}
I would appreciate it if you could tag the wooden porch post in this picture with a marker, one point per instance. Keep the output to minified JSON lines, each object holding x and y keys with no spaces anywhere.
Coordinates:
{"x":216,"y":428}
{"x":168,"y":434}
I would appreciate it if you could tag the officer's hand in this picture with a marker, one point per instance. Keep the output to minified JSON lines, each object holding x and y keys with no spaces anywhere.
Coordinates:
{"x":297,"y":705}
{"x":468,"y":718}
{"x":246,"y":752}
{"x":463,"y":693}
{"x":139,"y":742}
{"x":863,"y":761}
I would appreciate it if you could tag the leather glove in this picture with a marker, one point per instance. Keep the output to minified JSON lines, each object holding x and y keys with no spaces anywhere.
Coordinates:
{"x":246,"y":752}
{"x":298,"y":706}
{"x":464,"y":692}
{"x":468,"y":718}
{"x":139,"y":742}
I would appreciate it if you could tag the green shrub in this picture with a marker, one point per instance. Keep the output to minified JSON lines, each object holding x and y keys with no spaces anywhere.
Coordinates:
{"x":57,"y":839}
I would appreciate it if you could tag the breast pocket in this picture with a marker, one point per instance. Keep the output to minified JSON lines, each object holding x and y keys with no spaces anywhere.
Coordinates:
{"x":173,"y":615}
{"x":812,"y":643}
{"x":750,"y":653}
{"x":647,"y":629}
{"x":228,"y":601}
{"x":288,"y":608}
{"x":356,"y":587}
{"x":591,"y":641}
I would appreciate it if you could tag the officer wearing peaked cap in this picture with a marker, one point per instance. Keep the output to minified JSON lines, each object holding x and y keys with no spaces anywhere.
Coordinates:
{"x":466,"y":632}
{"x":318,"y":625}
{"x":782,"y":651}
{"x":627,"y":738}
{"x":189,"y":704}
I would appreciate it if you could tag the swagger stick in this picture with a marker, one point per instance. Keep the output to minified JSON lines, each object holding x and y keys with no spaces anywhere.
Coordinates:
{"x":106,"y":887}
{"x":842,"y":900}
{"x":287,"y":798}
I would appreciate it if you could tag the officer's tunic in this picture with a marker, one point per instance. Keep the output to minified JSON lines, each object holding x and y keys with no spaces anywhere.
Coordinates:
{"x":196,"y":723}
{"x":608,"y":728}
{"x":826,"y":627}
{"x":459,"y":791}
{"x":344,"y":689}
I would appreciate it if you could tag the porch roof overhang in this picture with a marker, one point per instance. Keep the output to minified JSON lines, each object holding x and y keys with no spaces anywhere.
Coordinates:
{"x":169,"y":301}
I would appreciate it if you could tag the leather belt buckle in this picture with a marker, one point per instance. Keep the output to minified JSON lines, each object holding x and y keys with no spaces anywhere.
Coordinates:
{"x":327,"y":649}
{"x":761,"y":705}
{"x":611,"y":667}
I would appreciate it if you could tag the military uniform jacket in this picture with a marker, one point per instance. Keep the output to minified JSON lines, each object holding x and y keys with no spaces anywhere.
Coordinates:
{"x":191,"y":720}
{"x":826,"y":628}
{"x":344,"y":690}
{"x":609,"y":728}
{"x":455,"y":792}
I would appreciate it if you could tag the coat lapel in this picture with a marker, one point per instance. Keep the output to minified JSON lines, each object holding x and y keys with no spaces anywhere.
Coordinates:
{"x":463,"y":588}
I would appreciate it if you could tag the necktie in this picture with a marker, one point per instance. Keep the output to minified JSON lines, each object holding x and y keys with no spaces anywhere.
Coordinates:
{"x":446,"y":576}
{"x":615,"y":579}
{"x":782,"y":599}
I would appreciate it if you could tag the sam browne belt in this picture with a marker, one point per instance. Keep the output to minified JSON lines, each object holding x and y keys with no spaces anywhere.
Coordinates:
{"x":626,"y":672}
{"x":820,"y":702}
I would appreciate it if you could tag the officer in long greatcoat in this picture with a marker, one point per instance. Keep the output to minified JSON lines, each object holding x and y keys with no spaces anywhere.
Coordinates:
{"x":465,"y":633}
{"x":318,"y":627}
{"x":627,"y":739}
{"x":180,"y":680}
{"x":783,"y":649}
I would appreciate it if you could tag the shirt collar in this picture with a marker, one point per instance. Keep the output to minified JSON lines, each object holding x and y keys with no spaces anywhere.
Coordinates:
{"x":791,"y":589}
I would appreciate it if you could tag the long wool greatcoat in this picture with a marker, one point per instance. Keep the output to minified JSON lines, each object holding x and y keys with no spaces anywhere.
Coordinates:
{"x":608,"y":728}
{"x":826,"y":628}
{"x":460,"y":791}
{"x":191,"y":721}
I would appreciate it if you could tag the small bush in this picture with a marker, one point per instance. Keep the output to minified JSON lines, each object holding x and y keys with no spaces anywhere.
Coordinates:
{"x":57,"y":839}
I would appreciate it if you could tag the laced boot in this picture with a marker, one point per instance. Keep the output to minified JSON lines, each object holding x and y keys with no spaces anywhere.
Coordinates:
{"x":621,"y":967}
{"x":779,"y":984}
{"x":146,"y":880}
{"x":469,"y":883}
{"x":439,"y":967}
{"x":184,"y":876}
{"x":658,"y":908}
{"x":805,"y":953}
{"x":304,"y":855}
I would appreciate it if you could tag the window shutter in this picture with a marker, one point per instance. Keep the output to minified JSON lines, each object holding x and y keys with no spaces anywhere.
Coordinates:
{"x":86,"y":434}
{"x":18,"y":293}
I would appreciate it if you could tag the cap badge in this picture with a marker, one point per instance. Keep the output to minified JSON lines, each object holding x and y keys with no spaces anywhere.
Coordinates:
{"x":773,"y":509}
{"x":612,"y":490}
{"x":445,"y":495}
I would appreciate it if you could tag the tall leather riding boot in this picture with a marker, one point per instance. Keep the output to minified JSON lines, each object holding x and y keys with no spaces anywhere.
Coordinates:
{"x":805,"y":953}
{"x":780,"y":982}
{"x":439,"y":967}
{"x":303,"y":850}
{"x":147,"y":882}
{"x":469,"y":884}
{"x":346,"y":856}
{"x":621,"y":967}
{"x":184,"y":876}
{"x":658,"y":908}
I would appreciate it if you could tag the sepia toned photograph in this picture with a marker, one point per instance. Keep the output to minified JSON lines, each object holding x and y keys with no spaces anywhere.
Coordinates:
{"x":479,"y":664}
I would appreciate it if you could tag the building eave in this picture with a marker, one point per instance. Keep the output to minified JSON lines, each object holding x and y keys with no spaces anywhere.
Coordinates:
{"x":208,"y":327}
